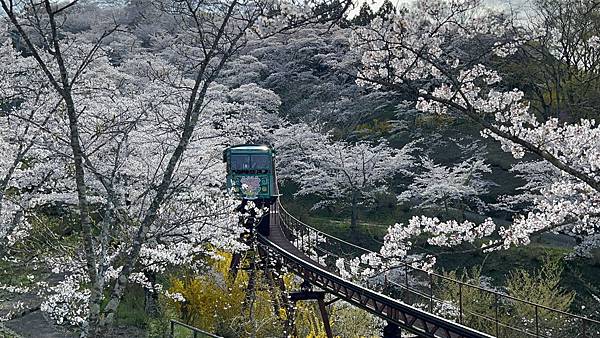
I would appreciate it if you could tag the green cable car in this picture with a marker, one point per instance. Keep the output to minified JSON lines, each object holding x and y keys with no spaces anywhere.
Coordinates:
{"x":251,"y":171}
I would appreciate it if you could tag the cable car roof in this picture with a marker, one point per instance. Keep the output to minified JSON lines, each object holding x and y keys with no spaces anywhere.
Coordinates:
{"x":251,"y":147}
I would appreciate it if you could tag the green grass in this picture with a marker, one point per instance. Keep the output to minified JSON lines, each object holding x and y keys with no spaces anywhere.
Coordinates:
{"x":7,"y":333}
{"x":17,"y":275}
{"x":369,"y":235}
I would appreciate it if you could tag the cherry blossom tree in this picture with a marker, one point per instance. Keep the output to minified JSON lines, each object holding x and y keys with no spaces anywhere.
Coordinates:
{"x":448,"y":186}
{"x":142,"y":137}
{"x":421,"y":46}
{"x":125,"y":140}
{"x":34,"y":175}
{"x":31,"y":164}
{"x":16,"y":142}
{"x":457,"y":184}
{"x":312,"y":71}
{"x":338,"y":171}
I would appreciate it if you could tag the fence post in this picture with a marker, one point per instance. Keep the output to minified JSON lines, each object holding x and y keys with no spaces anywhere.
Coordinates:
{"x":431,"y":292}
{"x":301,"y":232}
{"x":496,"y":305}
{"x":537,"y":326}
{"x":406,"y":281}
{"x":172,"y":329}
{"x":583,"y":328}
{"x":309,"y":238}
{"x":460,"y":304}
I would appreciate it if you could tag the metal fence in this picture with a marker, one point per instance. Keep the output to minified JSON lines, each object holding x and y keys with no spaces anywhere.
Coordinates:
{"x":483,"y":309}
{"x":193,"y":332}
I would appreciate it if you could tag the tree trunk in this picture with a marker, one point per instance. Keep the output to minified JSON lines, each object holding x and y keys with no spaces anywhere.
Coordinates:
{"x":84,"y":219}
{"x":63,"y":88}
{"x":195,"y":105}
{"x":446,"y":207}
{"x":151,"y":306}
{"x":354,"y":216}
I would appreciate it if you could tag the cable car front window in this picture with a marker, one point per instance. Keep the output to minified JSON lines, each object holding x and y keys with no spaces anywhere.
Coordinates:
{"x":251,"y":164}
{"x":262,"y":162}
{"x":240,"y":162}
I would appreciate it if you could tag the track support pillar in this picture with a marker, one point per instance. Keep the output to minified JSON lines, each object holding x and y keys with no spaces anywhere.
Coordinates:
{"x":308,"y":294}
{"x":325,"y":317}
{"x":392,"y":330}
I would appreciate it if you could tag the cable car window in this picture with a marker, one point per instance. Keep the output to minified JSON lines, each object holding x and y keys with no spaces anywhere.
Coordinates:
{"x":260,"y":162}
{"x":240,"y":162}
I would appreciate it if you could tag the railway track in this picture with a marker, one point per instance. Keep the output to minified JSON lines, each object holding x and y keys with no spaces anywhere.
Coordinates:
{"x":412,"y":302}
{"x":278,"y":245}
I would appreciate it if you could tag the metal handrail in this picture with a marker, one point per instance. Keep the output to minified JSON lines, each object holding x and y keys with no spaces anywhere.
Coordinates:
{"x":324,"y":233}
{"x":475,"y":314}
{"x":361,"y":290}
{"x":194,"y":330}
{"x":586,"y":322}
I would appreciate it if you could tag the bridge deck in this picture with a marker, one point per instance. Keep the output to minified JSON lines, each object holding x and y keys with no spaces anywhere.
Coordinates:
{"x":277,"y":236}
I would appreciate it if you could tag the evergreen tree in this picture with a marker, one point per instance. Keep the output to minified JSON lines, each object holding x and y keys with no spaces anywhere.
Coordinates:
{"x":364,"y":17}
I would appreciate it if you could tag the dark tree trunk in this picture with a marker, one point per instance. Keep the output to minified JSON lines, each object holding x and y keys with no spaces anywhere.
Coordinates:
{"x":151,"y":306}
{"x":354,"y":215}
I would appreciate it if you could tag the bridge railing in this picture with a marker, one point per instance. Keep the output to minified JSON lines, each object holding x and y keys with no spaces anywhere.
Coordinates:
{"x":481,"y":308}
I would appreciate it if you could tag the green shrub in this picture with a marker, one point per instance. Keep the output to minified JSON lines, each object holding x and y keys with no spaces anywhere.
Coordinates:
{"x":481,"y":308}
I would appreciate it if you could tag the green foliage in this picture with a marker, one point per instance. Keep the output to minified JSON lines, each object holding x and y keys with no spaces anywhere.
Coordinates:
{"x":345,"y":319}
{"x":374,"y":129}
{"x":364,"y":17}
{"x":386,"y":8}
{"x":431,"y":121}
{"x":216,"y":304}
{"x":542,"y":287}
{"x":474,"y":301}
{"x":131,"y":310}
{"x":332,"y":11}
{"x":539,"y":287}
{"x":7,"y":333}
{"x":349,"y":321}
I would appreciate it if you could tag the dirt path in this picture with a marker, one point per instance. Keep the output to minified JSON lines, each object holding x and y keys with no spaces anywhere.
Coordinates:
{"x":36,"y":324}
